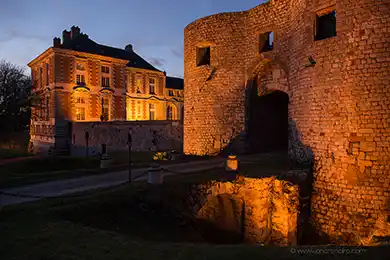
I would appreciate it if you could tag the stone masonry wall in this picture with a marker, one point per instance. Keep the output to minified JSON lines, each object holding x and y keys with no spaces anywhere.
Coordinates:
{"x":263,"y":210}
{"x":339,"y":108}
{"x":168,"y":135}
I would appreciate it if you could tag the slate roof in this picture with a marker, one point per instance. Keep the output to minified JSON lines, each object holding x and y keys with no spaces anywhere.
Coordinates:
{"x":83,"y":44}
{"x":174,"y":83}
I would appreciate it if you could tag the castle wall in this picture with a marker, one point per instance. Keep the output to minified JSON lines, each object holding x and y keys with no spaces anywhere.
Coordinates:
{"x":168,"y":136}
{"x":213,"y":108}
{"x":339,"y":108}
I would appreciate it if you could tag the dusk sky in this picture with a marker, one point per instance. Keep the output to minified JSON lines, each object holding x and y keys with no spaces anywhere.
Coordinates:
{"x":153,"y":27}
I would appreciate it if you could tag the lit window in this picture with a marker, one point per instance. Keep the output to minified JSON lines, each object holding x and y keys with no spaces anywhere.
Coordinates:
{"x":105,"y":81}
{"x":169,"y":113}
{"x":151,"y":85}
{"x":170,"y":93}
{"x":139,"y":115}
{"x":152,"y":111}
{"x":80,"y":66}
{"x":80,"y":79}
{"x":266,"y":41}
{"x":80,"y":100}
{"x":105,"y":69}
{"x":138,"y":84}
{"x":105,"y":101}
{"x":80,"y":113}
{"x":325,"y":24}
{"x":203,"y":56}
{"x":105,"y":109}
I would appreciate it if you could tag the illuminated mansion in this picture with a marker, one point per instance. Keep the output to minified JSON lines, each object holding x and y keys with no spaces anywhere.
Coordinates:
{"x":83,"y":81}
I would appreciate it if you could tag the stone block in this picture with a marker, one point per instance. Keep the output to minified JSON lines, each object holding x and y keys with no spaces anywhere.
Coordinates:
{"x":367,"y":146}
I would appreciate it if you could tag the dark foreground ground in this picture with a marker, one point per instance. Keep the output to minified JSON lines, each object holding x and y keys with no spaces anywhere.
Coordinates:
{"x":105,"y":224}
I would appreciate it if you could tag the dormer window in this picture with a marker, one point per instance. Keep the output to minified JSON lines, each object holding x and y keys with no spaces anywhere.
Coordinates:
{"x":266,"y":42}
{"x":202,"y":56}
{"x":325,"y":24}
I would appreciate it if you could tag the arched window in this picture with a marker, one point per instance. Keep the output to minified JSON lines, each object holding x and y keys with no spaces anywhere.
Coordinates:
{"x":152,"y":111}
{"x":80,"y":105}
{"x":169,"y":112}
{"x":106,"y":109}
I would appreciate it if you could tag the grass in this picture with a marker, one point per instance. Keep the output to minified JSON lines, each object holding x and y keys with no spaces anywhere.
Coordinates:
{"x":40,"y":169}
{"x":13,"y":153}
{"x":33,"y":170}
{"x":67,"y":228}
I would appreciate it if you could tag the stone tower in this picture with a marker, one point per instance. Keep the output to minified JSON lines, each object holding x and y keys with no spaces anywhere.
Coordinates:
{"x":332,"y":60}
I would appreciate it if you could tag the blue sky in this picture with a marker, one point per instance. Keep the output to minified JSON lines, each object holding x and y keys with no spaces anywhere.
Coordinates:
{"x":153,"y":27}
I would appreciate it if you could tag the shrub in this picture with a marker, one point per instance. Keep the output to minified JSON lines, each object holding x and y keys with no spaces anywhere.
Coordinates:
{"x":160,"y":156}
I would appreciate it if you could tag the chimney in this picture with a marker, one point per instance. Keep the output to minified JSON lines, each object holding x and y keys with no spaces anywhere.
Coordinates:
{"x":165,"y":73}
{"x":56,"y":42}
{"x":129,"y":48}
{"x":75,"y":31}
{"x":65,"y":37}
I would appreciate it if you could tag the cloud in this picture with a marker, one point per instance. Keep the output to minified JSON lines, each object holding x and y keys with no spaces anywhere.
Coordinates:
{"x":11,"y":34}
{"x":178,"y":52}
{"x":159,"y":62}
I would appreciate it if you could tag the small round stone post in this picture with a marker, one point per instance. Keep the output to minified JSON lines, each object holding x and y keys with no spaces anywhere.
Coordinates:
{"x":105,"y":158}
{"x":231,"y":166}
{"x":155,"y":174}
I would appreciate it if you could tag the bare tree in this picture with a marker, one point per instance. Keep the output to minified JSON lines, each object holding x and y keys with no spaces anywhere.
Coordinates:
{"x":16,"y":99}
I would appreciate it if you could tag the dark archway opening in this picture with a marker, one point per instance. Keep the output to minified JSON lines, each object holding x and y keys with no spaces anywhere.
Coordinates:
{"x":267,"y":121}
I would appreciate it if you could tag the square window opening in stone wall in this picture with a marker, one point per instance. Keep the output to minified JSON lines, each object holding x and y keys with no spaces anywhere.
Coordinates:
{"x":202,"y":56}
{"x":266,"y":42}
{"x":325,"y":24}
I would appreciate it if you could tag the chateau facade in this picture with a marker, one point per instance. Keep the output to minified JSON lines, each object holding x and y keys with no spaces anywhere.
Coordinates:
{"x":83,"y":81}
{"x":328,"y":74}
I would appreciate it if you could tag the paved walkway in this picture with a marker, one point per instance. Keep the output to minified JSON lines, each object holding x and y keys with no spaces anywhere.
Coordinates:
{"x":38,"y":191}
{"x":57,"y":188}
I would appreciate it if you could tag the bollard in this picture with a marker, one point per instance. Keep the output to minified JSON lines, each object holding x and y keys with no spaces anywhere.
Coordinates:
{"x":231,"y":167}
{"x":105,"y":159}
{"x":155,"y":175}
{"x":232,"y":163}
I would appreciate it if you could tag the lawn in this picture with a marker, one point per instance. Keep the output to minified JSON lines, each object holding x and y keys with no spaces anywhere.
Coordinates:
{"x":38,"y":169}
{"x":33,"y":170}
{"x":105,"y":225}
{"x":12,"y":153}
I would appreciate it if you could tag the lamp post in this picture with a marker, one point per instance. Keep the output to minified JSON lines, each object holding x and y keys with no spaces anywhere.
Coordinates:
{"x":86,"y":148}
{"x":129,"y":142}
